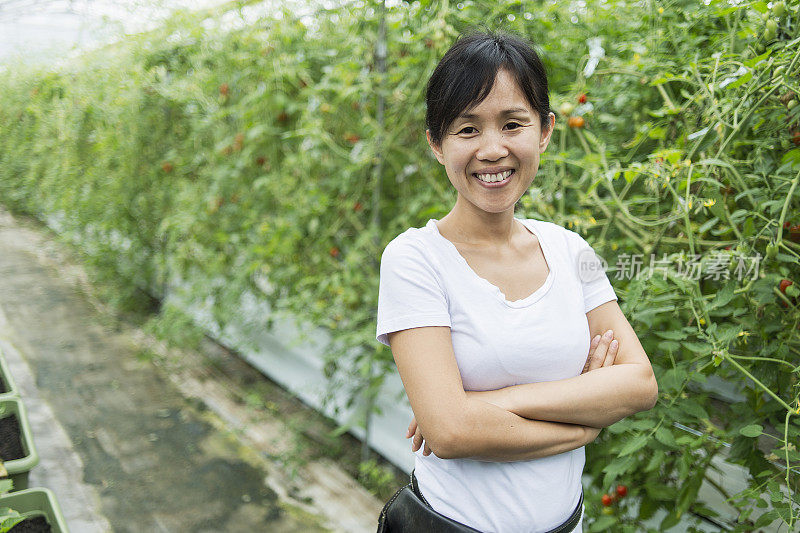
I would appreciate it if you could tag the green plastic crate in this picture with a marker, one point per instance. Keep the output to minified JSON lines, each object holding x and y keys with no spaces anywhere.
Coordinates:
{"x":11,"y":387}
{"x":18,"y":469}
{"x":41,"y":502}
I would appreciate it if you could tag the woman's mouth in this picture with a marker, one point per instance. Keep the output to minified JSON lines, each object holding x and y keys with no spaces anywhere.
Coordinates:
{"x":492,"y":181}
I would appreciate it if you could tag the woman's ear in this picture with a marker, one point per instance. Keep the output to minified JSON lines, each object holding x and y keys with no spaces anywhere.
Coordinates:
{"x":437,"y":150}
{"x":544,"y":137}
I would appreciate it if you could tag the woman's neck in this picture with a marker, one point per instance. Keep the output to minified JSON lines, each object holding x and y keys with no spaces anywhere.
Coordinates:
{"x":465,"y":224}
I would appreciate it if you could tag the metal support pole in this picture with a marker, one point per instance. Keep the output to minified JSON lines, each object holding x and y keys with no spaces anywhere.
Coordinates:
{"x":380,"y":63}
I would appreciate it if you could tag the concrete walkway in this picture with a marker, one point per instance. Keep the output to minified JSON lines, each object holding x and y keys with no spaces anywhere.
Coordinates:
{"x":133,"y":444}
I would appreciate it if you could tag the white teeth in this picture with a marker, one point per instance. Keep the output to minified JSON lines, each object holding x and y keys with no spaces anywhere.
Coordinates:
{"x":492,"y":178}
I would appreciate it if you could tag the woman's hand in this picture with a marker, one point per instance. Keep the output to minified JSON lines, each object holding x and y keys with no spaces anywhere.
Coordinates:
{"x":418,"y":439}
{"x":602,"y":352}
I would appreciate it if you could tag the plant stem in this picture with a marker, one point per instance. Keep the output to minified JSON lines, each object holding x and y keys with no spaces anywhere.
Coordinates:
{"x":786,"y":206}
{"x":766,"y":389}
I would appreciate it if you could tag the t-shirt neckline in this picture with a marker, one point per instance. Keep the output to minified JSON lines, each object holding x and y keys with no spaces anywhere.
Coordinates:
{"x":524,"y":302}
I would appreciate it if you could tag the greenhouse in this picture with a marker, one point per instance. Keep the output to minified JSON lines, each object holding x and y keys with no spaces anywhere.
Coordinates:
{"x":314,"y":266}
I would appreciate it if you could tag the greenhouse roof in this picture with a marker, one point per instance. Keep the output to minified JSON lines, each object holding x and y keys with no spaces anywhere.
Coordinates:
{"x":37,"y":31}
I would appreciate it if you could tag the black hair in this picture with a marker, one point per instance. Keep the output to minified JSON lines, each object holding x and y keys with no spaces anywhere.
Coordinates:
{"x":465,"y":76}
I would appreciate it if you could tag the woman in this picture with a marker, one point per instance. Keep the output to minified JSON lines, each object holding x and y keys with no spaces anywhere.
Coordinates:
{"x":490,"y":317}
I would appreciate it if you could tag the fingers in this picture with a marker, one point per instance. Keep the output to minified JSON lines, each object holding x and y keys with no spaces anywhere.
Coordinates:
{"x":417,"y":440}
{"x":611,"y":354}
{"x":598,"y":356}
{"x":412,"y":427}
{"x":592,"y":347}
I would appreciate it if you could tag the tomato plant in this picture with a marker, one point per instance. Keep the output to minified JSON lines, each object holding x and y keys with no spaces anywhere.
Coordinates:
{"x":219,"y":155}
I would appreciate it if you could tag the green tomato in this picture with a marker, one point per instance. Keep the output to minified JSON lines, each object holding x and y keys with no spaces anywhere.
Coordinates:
{"x":770,"y":30}
{"x":791,"y":104}
{"x":566,"y":109}
{"x":778,"y":9}
{"x":772,"y":250}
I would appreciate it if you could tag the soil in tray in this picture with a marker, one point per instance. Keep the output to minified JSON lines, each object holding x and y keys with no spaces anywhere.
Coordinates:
{"x":10,"y":441}
{"x":37,"y":524}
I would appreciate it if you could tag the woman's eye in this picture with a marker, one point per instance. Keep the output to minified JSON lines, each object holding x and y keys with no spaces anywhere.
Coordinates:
{"x":464,"y":130}
{"x":514,"y":124}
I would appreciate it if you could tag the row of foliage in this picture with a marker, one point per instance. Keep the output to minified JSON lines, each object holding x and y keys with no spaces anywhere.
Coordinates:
{"x":243,"y":149}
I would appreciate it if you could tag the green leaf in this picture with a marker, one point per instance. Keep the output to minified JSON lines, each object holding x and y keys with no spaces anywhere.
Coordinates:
{"x":648,"y":508}
{"x":671,"y":334}
{"x":619,"y":427}
{"x":672,"y":379}
{"x":664,"y":493}
{"x":749,"y":227}
{"x":767,"y":518}
{"x":753,"y":430}
{"x":741,"y":81}
{"x":634,"y":444}
{"x":694,"y":408}
{"x":792,"y":156}
{"x":665,"y":436}
{"x":603,"y":523}
{"x":688,"y":494}
{"x":669,"y":346}
{"x":707,"y":225}
{"x":616,"y":467}
{"x":655,"y":461}
{"x":671,"y":520}
{"x":697,"y":347}
{"x":724,"y":296}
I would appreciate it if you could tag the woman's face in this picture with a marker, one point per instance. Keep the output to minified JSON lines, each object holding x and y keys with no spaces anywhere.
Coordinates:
{"x":499,"y":140}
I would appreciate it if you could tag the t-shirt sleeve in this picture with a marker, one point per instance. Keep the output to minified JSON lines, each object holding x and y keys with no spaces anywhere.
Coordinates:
{"x":409,"y":295}
{"x":591,"y":271}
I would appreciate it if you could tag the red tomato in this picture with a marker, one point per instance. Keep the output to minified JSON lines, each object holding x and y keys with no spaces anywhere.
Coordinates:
{"x":576,"y":122}
{"x":794,"y":233}
{"x":606,"y":500}
{"x":582,"y":98}
{"x":785,"y":283}
{"x":622,"y":490}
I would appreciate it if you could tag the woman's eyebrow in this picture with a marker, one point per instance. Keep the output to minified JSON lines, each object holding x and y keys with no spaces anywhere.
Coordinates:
{"x":505,"y":112}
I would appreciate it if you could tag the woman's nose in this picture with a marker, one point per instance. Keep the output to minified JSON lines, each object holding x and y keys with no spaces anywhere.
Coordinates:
{"x":492,"y":146}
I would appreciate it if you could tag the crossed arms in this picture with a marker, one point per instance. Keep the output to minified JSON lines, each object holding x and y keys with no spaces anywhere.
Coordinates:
{"x":526,"y":421}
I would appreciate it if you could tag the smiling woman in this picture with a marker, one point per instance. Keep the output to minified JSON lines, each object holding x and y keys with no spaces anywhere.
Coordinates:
{"x":504,"y":127}
{"x":511,"y":347}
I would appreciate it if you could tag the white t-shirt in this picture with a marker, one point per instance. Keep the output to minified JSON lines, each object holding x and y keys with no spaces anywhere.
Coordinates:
{"x":425,"y":281}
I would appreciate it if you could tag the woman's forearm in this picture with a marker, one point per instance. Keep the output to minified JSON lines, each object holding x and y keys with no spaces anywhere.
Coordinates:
{"x":598,"y":398}
{"x":490,"y":433}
